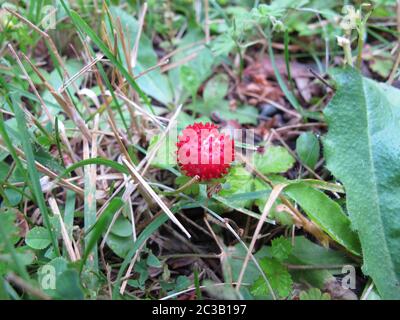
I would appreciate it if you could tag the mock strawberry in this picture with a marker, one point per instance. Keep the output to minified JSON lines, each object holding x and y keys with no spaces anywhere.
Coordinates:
{"x":204,"y":151}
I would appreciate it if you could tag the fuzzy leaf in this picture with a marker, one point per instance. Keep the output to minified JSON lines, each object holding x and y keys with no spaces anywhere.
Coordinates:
{"x":362,"y":150}
{"x":281,"y":248}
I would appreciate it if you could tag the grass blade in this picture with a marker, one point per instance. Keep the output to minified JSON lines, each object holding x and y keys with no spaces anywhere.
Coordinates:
{"x":33,"y":174}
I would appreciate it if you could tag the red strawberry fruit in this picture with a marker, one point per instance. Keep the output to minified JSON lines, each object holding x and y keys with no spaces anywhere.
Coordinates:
{"x":204,"y":151}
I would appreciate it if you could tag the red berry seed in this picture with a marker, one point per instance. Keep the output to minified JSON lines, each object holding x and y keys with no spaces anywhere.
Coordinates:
{"x":204,"y":151}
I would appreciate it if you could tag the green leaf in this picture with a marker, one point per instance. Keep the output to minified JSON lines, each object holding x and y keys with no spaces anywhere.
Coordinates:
{"x":200,"y":66}
{"x":314,"y":294}
{"x":307,"y":148}
{"x":38,"y":238}
{"x":311,"y":253}
{"x":192,"y":189}
{"x":119,"y":245}
{"x":305,"y":252}
{"x":274,"y":160}
{"x":32,"y":171}
{"x":152,"y":261}
{"x":69,"y":286}
{"x":281,"y":248}
{"x":24,"y":255}
{"x":45,"y":273}
{"x":238,"y":181}
{"x":122,"y":227}
{"x":100,"y":226}
{"x":144,"y":235}
{"x":216,"y":88}
{"x":7,"y":220}
{"x":189,"y":79}
{"x":278,"y":276}
{"x":326,"y":214}
{"x":166,"y":154}
{"x":223,"y":44}
{"x":362,"y":150}
{"x":242,"y":114}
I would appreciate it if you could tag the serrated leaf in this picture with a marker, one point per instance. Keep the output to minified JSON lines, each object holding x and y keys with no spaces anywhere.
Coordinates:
{"x":274,"y":160}
{"x":278,"y":276}
{"x":326,"y":214}
{"x":38,"y":238}
{"x":307,"y":148}
{"x":281,"y":248}
{"x":314,"y":294}
{"x":362,"y":150}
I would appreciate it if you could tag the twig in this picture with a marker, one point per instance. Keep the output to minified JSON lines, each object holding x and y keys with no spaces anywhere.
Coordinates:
{"x":315,"y":74}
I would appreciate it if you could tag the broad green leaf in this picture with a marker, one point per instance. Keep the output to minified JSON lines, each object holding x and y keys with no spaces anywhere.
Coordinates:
{"x":274,"y":160}
{"x":307,"y":148}
{"x":243,"y":114}
{"x":119,"y":245}
{"x":362,"y":150}
{"x":305,"y":252}
{"x":238,"y":181}
{"x":48,"y":274}
{"x":122,"y":227}
{"x":69,"y":286}
{"x":326,"y":214}
{"x":38,"y":238}
{"x":311,"y":253}
{"x":200,"y":66}
{"x":222,"y":45}
{"x":216,"y":88}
